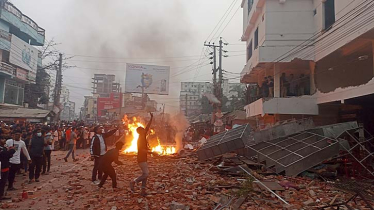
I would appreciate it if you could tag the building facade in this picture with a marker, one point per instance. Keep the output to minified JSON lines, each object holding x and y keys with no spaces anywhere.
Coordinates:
{"x":309,"y":58}
{"x":192,"y":93}
{"x":104,"y":85}
{"x":19,"y":58}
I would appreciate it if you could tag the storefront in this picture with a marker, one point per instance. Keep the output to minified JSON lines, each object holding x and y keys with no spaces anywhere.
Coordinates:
{"x":14,"y":92}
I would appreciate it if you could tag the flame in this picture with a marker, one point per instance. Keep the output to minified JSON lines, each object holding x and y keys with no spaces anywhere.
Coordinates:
{"x":133,"y":147}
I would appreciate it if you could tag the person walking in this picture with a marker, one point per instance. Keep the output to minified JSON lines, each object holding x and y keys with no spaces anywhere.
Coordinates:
{"x":5,"y":155}
{"x":72,"y":144}
{"x":36,"y":147}
{"x":106,"y":167}
{"x":49,"y":139}
{"x":143,"y":150}
{"x":97,"y":150}
{"x":15,"y":161}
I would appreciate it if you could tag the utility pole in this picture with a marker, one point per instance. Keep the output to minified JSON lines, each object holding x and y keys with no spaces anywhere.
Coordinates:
{"x":57,"y":91}
{"x":217,"y":87}
{"x":220,"y":72}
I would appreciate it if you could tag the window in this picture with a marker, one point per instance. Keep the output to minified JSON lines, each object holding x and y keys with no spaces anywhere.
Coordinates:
{"x":329,"y":11}
{"x":249,"y":51}
{"x":13,"y":92}
{"x":256,"y":38}
{"x":250,"y":4}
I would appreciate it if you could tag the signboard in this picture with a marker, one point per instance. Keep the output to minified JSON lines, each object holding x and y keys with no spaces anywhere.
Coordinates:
{"x":113,"y":102}
{"x":148,"y":78}
{"x":21,"y":74}
{"x":31,"y":76}
{"x":23,"y":55}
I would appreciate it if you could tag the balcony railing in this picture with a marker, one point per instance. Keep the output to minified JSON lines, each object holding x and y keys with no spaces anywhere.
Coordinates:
{"x":7,"y":68}
{"x":15,"y":11}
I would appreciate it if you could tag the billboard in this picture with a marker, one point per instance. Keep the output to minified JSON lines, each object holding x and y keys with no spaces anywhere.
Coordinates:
{"x":154,"y":79}
{"x":113,"y":102}
{"x":23,"y":55}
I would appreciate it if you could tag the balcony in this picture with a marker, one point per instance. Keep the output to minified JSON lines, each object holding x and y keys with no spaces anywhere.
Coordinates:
{"x":306,"y":105}
{"x":7,"y":69}
{"x":26,"y":27}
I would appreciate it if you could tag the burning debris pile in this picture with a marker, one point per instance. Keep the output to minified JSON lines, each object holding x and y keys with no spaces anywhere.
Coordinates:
{"x":131,"y":138}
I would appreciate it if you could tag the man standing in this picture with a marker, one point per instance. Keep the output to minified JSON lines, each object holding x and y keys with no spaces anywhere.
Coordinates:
{"x":143,"y":150}
{"x":49,"y":139}
{"x":36,"y":152}
{"x":15,"y":161}
{"x":106,"y":167}
{"x":98,"y":149}
{"x":5,"y":155}
{"x":72,"y":144}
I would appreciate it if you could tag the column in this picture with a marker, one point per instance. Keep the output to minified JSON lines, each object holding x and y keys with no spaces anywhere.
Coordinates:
{"x":312,"y":67}
{"x":277,"y":75}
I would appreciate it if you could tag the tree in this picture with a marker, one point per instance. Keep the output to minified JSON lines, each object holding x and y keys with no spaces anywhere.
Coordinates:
{"x":38,"y":93}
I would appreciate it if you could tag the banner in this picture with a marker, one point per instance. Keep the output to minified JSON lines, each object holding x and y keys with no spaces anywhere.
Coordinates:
{"x":23,"y":55}
{"x":153,"y":79}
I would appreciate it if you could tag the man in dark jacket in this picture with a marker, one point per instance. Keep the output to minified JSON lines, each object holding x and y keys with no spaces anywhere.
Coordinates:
{"x":5,"y":155}
{"x":36,"y":148}
{"x":106,"y":167}
{"x":98,"y":149}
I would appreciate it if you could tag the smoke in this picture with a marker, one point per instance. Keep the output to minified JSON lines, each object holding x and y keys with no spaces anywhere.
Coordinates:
{"x":119,"y":30}
{"x":180,"y":123}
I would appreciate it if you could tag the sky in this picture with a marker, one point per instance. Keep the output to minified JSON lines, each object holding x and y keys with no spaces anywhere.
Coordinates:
{"x":104,"y":35}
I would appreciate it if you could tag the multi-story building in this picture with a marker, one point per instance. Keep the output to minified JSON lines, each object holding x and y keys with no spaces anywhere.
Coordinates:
{"x":104,"y":85}
{"x":190,"y":96}
{"x":192,"y":92}
{"x":89,"y":111}
{"x":317,"y":56}
{"x":19,"y":60}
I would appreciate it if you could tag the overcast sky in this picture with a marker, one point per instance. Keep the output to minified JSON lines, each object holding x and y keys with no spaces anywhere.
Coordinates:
{"x":103,"y":35}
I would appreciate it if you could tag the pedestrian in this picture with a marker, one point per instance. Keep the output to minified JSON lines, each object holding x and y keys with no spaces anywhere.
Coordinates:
{"x":37,"y":153}
{"x":143,"y":150}
{"x":72,"y":144}
{"x":271,"y":86}
{"x":15,"y":161}
{"x":98,"y":149}
{"x":49,"y":140}
{"x":5,"y":155}
{"x":25,"y":163}
{"x":62,"y":139}
{"x":85,"y":137}
{"x":106,"y":167}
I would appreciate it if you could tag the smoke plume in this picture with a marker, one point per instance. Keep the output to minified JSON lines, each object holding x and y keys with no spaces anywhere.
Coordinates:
{"x":118,"y":31}
{"x":180,"y":124}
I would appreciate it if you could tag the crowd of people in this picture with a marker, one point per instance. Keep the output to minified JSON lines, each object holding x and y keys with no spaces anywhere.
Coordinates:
{"x":26,"y":148}
{"x":289,"y":86}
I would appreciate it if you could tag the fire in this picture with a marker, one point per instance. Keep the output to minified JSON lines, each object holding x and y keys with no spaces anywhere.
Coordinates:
{"x":133,"y":147}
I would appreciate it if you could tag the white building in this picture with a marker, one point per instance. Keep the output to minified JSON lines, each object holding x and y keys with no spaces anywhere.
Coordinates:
{"x":326,"y":44}
{"x":192,"y":92}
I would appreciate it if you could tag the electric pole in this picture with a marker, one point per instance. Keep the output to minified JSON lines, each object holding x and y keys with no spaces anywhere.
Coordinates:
{"x":217,"y":87}
{"x":57,"y":91}
{"x":220,"y":81}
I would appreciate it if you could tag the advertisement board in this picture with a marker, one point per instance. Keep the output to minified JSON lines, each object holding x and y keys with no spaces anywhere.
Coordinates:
{"x":113,"y":102}
{"x":23,"y":55}
{"x":153,"y":79}
{"x":21,"y":74}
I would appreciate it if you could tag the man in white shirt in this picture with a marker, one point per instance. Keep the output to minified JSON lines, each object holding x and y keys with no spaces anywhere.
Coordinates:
{"x":97,"y":149}
{"x":15,"y":161}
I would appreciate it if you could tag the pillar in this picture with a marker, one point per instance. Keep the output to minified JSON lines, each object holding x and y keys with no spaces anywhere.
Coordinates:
{"x":312,"y":67}
{"x":277,"y":75}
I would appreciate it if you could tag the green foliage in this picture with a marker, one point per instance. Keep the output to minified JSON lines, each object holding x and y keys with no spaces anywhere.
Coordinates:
{"x":36,"y":93}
